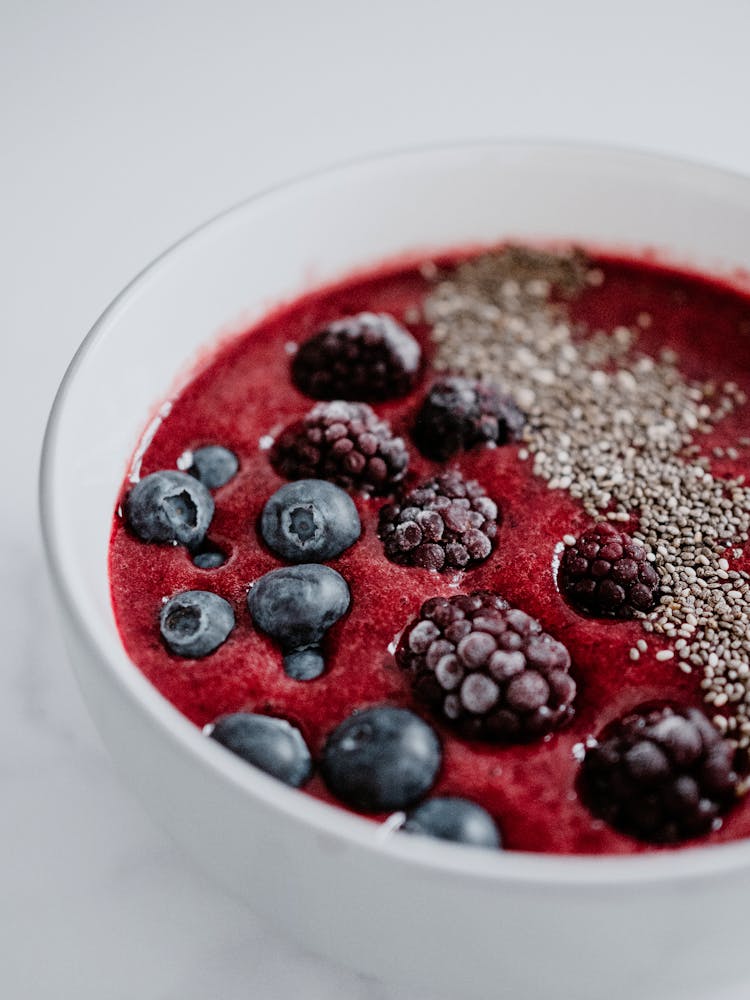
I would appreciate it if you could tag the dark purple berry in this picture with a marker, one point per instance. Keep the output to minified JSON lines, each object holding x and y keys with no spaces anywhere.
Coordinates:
{"x":607,"y":574}
{"x":345,"y":443}
{"x":368,"y":357}
{"x":195,"y":623}
{"x":661,"y":774}
{"x":458,"y":413}
{"x":309,"y":520}
{"x":455,"y":819}
{"x":296,"y":605}
{"x":214,"y":465}
{"x":169,"y":506}
{"x":487,"y":669}
{"x":274,"y":745}
{"x":446,"y":523}
{"x":380,"y":759}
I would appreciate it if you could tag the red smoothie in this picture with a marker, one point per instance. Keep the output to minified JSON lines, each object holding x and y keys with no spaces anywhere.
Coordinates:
{"x":244,"y":397}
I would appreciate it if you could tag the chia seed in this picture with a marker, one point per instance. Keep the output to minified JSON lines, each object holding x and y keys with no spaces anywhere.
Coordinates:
{"x":618,"y":430}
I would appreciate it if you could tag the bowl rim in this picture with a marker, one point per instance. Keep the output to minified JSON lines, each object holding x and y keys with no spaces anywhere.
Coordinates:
{"x":439,"y":857}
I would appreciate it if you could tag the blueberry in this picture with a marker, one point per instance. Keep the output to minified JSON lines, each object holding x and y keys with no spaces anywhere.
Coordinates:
{"x":214,"y":466}
{"x":310,"y":520}
{"x":297,"y":605}
{"x":304,"y":664}
{"x":169,"y":506}
{"x":449,"y":818}
{"x":195,"y":622}
{"x":381,"y":759}
{"x":209,"y":556}
{"x":273,"y":745}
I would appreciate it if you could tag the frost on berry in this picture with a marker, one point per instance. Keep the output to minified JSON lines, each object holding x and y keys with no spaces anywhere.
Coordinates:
{"x":345,"y":443}
{"x":446,"y":523}
{"x":369,"y":357}
{"x":607,"y":574}
{"x":661,"y":774}
{"x":487,"y":669}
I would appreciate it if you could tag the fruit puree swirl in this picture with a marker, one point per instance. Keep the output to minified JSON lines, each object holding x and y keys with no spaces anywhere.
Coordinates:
{"x":476,"y":562}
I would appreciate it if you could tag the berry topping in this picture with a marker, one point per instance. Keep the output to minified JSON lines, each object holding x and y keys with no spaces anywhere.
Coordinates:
{"x":208,"y":556}
{"x":195,"y":623}
{"x":214,"y":466}
{"x":381,"y":759}
{"x":607,"y":574}
{"x":455,"y":819}
{"x":345,"y":443}
{"x":660,"y":774}
{"x":273,"y":745}
{"x":487,"y":669}
{"x":296,"y":606}
{"x":169,"y":506}
{"x":446,"y":523}
{"x":309,"y":521}
{"x":458,"y":413}
{"x":367,"y":357}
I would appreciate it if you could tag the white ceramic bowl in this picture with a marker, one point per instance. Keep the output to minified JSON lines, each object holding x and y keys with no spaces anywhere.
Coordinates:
{"x":453,"y":920}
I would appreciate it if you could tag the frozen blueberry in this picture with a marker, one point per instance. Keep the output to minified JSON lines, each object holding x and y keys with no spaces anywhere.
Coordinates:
{"x":214,"y":466}
{"x":195,"y":623}
{"x":449,"y":818}
{"x":169,"y":506}
{"x":381,"y":759}
{"x":209,"y":556}
{"x":310,"y":520}
{"x":304,"y":664}
{"x":274,"y":745}
{"x":298,"y":604}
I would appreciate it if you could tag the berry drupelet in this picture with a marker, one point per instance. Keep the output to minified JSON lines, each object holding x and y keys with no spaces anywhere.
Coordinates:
{"x":458,"y":413}
{"x":345,"y":443}
{"x":487,"y":669}
{"x":660,"y":774}
{"x":368,"y":357}
{"x":446,"y":523}
{"x":607,"y":574}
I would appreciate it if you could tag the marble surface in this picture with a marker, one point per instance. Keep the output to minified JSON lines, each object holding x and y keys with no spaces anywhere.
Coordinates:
{"x":121,"y":127}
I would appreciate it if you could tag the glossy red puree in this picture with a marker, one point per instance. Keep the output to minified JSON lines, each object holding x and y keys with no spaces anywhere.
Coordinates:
{"x":246,"y":393}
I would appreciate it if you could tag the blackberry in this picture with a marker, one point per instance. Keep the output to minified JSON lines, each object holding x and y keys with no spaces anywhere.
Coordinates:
{"x":487,"y":669}
{"x":345,"y":443}
{"x":446,"y":523}
{"x":661,"y":774}
{"x":458,"y":413}
{"x":369,"y":357}
{"x":606,"y":573}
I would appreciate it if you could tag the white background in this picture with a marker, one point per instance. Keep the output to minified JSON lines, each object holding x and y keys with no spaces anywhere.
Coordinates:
{"x":121,"y":127}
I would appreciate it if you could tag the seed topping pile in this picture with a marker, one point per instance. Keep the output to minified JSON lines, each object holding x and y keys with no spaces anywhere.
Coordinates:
{"x":619,"y":430}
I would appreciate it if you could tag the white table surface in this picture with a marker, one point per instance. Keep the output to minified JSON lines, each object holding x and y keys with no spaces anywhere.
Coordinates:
{"x":122,"y":125}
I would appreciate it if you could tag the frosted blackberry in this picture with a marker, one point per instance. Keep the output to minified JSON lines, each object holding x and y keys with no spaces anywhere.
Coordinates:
{"x":458,"y":413}
{"x":660,"y":774}
{"x":487,"y":669}
{"x":607,"y":574}
{"x":369,"y":357}
{"x":345,"y":443}
{"x":446,"y":523}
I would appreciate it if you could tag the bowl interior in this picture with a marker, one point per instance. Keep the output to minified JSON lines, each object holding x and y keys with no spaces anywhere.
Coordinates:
{"x":312,"y":232}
